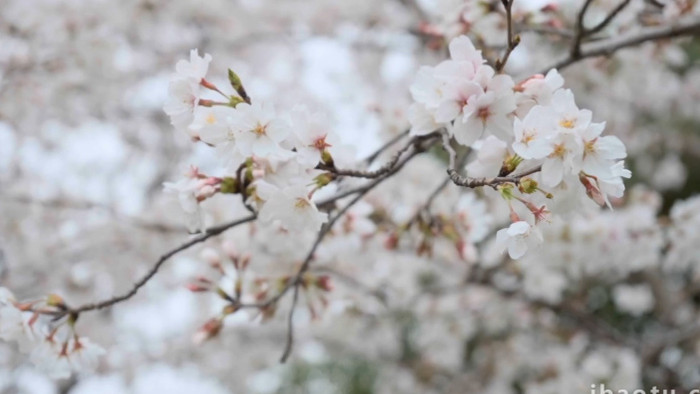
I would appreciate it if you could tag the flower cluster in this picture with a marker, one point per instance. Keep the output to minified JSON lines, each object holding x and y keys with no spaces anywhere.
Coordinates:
{"x":272,"y":159}
{"x":53,"y":345}
{"x":535,"y":125}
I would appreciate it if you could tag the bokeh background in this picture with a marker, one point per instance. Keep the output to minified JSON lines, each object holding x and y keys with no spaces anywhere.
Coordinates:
{"x":85,"y":148}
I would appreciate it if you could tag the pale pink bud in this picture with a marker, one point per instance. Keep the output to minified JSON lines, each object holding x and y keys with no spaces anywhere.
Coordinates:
{"x":230,"y":249}
{"x":211,"y":256}
{"x":324,"y":283}
{"x":209,"y":330}
{"x":195,"y":288}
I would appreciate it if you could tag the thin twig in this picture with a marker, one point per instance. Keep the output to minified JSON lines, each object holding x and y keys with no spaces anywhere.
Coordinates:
{"x":513,"y":40}
{"x":608,"y":47}
{"x":609,"y":18}
{"x":369,"y":159}
{"x":545,"y":30}
{"x":290,"y":327}
{"x":325,"y":230}
{"x":460,"y":180}
{"x":580,"y":31}
{"x":138,"y":285}
{"x":383,"y":170}
{"x":380,"y":295}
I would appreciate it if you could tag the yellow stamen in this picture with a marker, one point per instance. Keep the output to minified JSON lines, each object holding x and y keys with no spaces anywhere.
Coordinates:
{"x":567,"y":123}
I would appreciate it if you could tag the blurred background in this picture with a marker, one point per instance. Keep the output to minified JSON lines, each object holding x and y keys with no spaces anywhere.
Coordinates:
{"x":85,"y":147}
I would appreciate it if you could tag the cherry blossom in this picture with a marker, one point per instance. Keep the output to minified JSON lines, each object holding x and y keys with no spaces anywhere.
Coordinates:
{"x":294,"y":209}
{"x":518,"y":238}
{"x":259,"y":131}
{"x":185,"y":89}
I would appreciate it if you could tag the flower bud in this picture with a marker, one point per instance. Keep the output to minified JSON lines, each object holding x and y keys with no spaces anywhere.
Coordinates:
{"x":323,"y":179}
{"x":195,"y":288}
{"x":324,"y":283}
{"x":237,"y":85}
{"x":527,"y":186}
{"x":230,"y":309}
{"x":592,"y":190}
{"x":209,"y":330}
{"x":506,"y":191}
{"x":229,"y":185}
{"x":55,"y":300}
{"x":510,"y":164}
{"x":392,"y":241}
{"x":326,"y":158}
{"x":210,"y":256}
{"x":244,"y":262}
{"x":234,"y":101}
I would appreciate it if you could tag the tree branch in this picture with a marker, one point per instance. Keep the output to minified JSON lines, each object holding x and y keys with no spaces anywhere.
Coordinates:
{"x":138,"y":285}
{"x":325,"y":230}
{"x":460,"y":180}
{"x":513,"y":40}
{"x":383,"y":170}
{"x":605,"y":22}
{"x":608,"y":47}
{"x":580,"y":29}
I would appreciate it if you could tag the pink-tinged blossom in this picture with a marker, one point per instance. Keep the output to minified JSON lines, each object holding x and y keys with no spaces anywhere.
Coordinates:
{"x":518,"y":238}
{"x":14,"y":323}
{"x":537,"y":89}
{"x":60,"y":358}
{"x":456,"y":97}
{"x":312,"y":135}
{"x":185,"y":90}
{"x":492,"y":110}
{"x":191,"y":190}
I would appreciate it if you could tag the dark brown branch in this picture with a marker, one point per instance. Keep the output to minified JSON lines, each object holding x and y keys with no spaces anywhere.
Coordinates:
{"x":222,"y":228}
{"x":580,"y":29}
{"x":513,"y":40}
{"x":325,"y":230}
{"x":609,"y":18}
{"x":545,"y":30}
{"x":383,"y":170}
{"x":460,"y":180}
{"x":378,"y":293}
{"x":290,"y":327}
{"x":369,"y":159}
{"x":138,"y":285}
{"x":608,"y":47}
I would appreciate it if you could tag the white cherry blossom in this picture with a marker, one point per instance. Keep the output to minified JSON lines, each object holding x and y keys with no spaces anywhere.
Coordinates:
{"x":518,"y":238}
{"x":600,"y":152}
{"x":533,"y":134}
{"x":259,"y":131}
{"x":294,"y":210}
